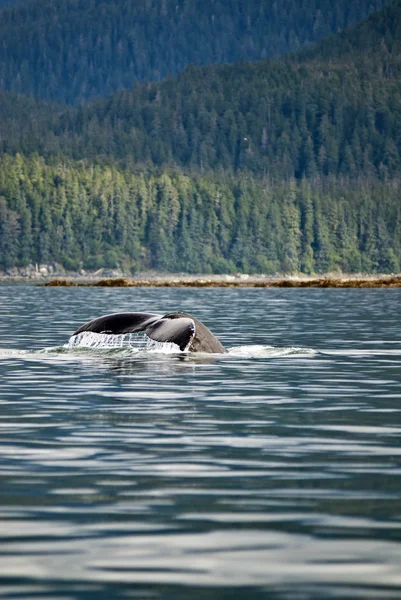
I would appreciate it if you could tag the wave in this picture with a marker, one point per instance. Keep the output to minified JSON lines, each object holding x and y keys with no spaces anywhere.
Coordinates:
{"x":259,"y":351}
{"x":89,"y":344}
{"x":140,"y":343}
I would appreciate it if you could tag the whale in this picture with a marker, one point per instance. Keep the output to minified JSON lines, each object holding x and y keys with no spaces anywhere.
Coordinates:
{"x":179,"y":328}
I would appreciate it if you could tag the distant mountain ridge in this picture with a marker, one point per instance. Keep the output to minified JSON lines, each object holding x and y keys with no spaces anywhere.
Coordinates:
{"x":378,"y":34}
{"x":72,"y":50}
{"x":280,"y":118}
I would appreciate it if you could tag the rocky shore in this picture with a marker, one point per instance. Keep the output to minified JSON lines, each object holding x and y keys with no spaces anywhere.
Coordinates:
{"x":55,"y":275}
{"x":38,"y":272}
{"x":255,"y":281}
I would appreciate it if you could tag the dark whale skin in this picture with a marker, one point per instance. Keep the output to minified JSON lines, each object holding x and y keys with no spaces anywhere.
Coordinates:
{"x":204,"y":340}
{"x":183,"y":329}
{"x":119,"y":323}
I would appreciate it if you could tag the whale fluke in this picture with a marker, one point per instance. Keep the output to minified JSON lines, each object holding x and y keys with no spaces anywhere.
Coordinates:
{"x":203,"y":340}
{"x":179,"y":328}
{"x":118,"y":323}
{"x":179,"y":331}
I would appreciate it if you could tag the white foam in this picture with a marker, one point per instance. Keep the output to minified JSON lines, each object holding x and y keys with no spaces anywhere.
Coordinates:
{"x":133,"y":341}
{"x":140,"y":342}
{"x":162,"y":347}
{"x":259,"y":351}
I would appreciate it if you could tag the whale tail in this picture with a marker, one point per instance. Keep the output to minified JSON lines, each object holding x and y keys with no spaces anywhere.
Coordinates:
{"x":179,"y":328}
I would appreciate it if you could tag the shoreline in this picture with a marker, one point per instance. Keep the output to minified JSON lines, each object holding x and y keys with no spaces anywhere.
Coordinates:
{"x":53,"y":275}
{"x":233,"y":281}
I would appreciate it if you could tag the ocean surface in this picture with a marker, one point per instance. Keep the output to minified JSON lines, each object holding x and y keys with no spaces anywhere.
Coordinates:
{"x":273,"y":471}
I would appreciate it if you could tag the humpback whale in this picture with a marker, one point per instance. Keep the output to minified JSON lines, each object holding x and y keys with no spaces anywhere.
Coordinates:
{"x":177,"y":327}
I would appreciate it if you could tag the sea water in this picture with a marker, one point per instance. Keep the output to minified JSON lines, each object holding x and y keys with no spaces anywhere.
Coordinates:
{"x":136,"y":471}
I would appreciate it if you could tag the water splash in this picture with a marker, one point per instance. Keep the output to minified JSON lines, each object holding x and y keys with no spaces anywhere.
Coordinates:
{"x":137,"y":342}
{"x":140,"y":342}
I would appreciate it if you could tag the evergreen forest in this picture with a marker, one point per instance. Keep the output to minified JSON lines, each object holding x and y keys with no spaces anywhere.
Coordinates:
{"x":99,"y":216}
{"x":72,"y":50}
{"x":285,"y":164}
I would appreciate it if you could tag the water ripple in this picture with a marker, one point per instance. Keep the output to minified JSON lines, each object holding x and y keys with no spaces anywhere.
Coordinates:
{"x":271,"y":471}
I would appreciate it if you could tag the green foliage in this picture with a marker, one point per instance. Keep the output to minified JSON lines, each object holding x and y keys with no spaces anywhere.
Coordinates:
{"x":297,"y":117}
{"x":282,"y":165}
{"x":378,"y":35}
{"x":71,"y":50}
{"x":94,"y":216}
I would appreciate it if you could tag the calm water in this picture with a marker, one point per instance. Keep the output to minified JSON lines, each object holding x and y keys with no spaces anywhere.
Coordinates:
{"x":271,"y":472}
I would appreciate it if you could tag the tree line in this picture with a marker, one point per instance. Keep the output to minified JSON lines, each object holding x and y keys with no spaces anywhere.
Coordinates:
{"x":86,"y":216}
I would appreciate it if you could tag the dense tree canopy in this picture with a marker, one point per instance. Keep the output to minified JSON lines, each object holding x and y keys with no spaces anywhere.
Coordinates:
{"x":302,"y":116}
{"x":5,"y":3}
{"x":379,"y":34}
{"x":71,"y":50}
{"x":287,"y":164}
{"x":90,"y":216}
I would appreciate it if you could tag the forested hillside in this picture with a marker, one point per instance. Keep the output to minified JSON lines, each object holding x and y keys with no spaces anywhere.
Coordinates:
{"x":275,"y":118}
{"x":378,"y":37}
{"x":24,"y":122}
{"x":71,"y":50}
{"x":4,"y":3}
{"x":288,"y":165}
{"x":99,"y":216}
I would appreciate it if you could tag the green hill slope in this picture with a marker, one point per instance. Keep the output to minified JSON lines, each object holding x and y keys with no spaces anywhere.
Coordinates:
{"x":375,"y":38}
{"x":275,"y":118}
{"x":280,"y":165}
{"x":71,"y":50}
